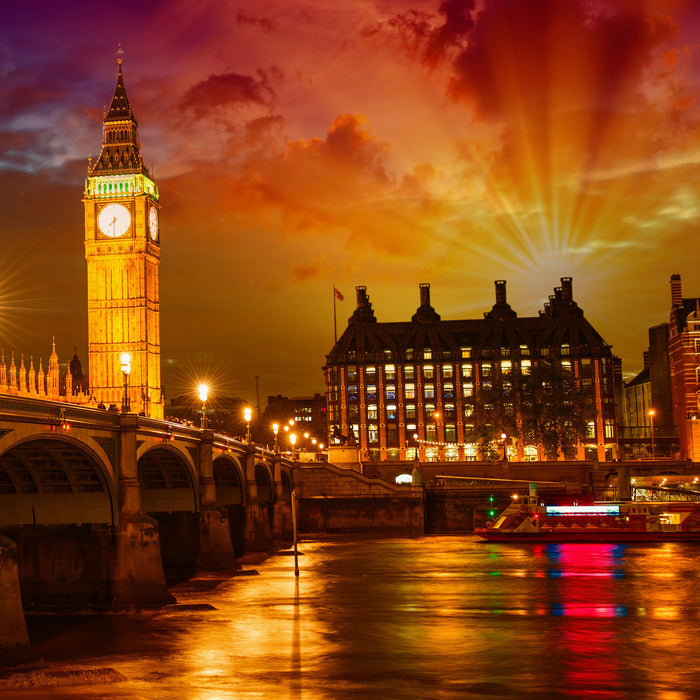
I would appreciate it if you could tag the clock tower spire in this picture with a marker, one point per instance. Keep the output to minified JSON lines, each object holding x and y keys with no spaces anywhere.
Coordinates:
{"x":122,"y":249}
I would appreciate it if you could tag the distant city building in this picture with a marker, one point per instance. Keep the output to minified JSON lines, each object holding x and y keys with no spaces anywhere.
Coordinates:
{"x":673,"y":384}
{"x":307,"y":412}
{"x":387,"y":382}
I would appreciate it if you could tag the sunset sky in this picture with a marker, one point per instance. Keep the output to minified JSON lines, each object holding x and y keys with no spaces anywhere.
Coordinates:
{"x":303,"y":144}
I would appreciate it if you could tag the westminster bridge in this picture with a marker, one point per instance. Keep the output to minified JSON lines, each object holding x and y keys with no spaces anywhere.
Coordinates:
{"x":101,"y":508}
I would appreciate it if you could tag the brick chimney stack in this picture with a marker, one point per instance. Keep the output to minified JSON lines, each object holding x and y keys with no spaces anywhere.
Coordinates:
{"x":566,"y":289}
{"x":500,"y":291}
{"x":424,"y":293}
{"x":676,"y":293}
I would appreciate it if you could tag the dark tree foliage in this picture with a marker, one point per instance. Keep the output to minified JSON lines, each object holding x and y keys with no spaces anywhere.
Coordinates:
{"x":494,"y":414}
{"x":554,"y":410}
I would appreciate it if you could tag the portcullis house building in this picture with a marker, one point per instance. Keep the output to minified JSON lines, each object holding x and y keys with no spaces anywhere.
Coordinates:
{"x":412,"y":388}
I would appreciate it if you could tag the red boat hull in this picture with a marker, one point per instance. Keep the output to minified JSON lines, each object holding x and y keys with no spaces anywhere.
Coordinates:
{"x":616,"y":537}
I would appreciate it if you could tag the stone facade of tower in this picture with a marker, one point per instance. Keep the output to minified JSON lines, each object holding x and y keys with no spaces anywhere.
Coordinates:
{"x":122,"y":249}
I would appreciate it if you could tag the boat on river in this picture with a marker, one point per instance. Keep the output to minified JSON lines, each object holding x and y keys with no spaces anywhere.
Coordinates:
{"x":624,"y":521}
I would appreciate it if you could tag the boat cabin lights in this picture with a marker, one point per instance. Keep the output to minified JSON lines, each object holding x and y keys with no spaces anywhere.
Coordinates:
{"x":608,"y":509}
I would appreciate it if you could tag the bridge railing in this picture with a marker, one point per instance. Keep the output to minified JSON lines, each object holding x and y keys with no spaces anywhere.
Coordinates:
{"x":20,"y":408}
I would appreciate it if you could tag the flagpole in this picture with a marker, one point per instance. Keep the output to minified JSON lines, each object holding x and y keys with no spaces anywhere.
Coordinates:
{"x":335,"y":322}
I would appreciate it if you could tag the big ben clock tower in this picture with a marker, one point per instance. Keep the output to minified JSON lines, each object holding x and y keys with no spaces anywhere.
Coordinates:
{"x":122,"y":249}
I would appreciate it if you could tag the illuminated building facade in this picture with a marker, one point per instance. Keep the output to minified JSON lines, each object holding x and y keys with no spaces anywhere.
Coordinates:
{"x":387,"y":382}
{"x":122,"y":249}
{"x":684,"y":365}
{"x":668,"y":386}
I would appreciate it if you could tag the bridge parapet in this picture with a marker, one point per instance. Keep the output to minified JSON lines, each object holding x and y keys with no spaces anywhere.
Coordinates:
{"x":26,"y":409}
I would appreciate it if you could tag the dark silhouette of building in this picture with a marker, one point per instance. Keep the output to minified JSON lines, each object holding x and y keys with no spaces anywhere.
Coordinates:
{"x":389,"y":382}
{"x":307,"y":412}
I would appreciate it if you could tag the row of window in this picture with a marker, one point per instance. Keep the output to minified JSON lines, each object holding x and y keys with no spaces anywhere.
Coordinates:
{"x":450,"y":432}
{"x":467,"y":352}
{"x":447,"y":370}
{"x":429,"y":391}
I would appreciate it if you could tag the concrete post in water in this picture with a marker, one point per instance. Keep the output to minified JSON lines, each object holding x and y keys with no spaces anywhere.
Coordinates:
{"x":258,"y":531}
{"x":624,"y":488}
{"x":282,"y":511}
{"x":14,"y":640}
{"x":139,"y":580}
{"x":215,"y":546}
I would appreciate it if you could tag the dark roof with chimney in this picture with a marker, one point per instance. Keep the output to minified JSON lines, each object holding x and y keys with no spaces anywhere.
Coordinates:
{"x":561,"y":322}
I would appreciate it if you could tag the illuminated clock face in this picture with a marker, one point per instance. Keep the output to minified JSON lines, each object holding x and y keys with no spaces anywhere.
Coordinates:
{"x":153,"y":223}
{"x":114,"y":220}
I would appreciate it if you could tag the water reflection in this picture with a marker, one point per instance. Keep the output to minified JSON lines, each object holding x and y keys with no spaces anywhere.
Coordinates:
{"x":435,"y":617}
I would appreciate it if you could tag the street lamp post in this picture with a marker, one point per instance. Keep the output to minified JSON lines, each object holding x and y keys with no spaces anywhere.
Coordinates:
{"x":275,"y":430}
{"x":436,"y":415}
{"x":126,"y":370}
{"x":203,"y":393}
{"x":504,"y":437}
{"x":651,"y":418}
{"x":247,"y":414}
{"x":293,"y":440}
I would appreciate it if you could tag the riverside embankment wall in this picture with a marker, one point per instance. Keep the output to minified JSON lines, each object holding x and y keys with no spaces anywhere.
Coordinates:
{"x":336,"y":500}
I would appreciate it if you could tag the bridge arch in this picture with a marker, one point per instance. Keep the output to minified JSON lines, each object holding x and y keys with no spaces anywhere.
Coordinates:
{"x":264,"y":482}
{"x":54,"y":479}
{"x":286,"y":479}
{"x":168,"y":480}
{"x":229,"y":480}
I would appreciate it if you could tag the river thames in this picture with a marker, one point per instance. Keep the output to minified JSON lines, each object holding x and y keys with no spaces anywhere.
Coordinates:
{"x":432,"y":617}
